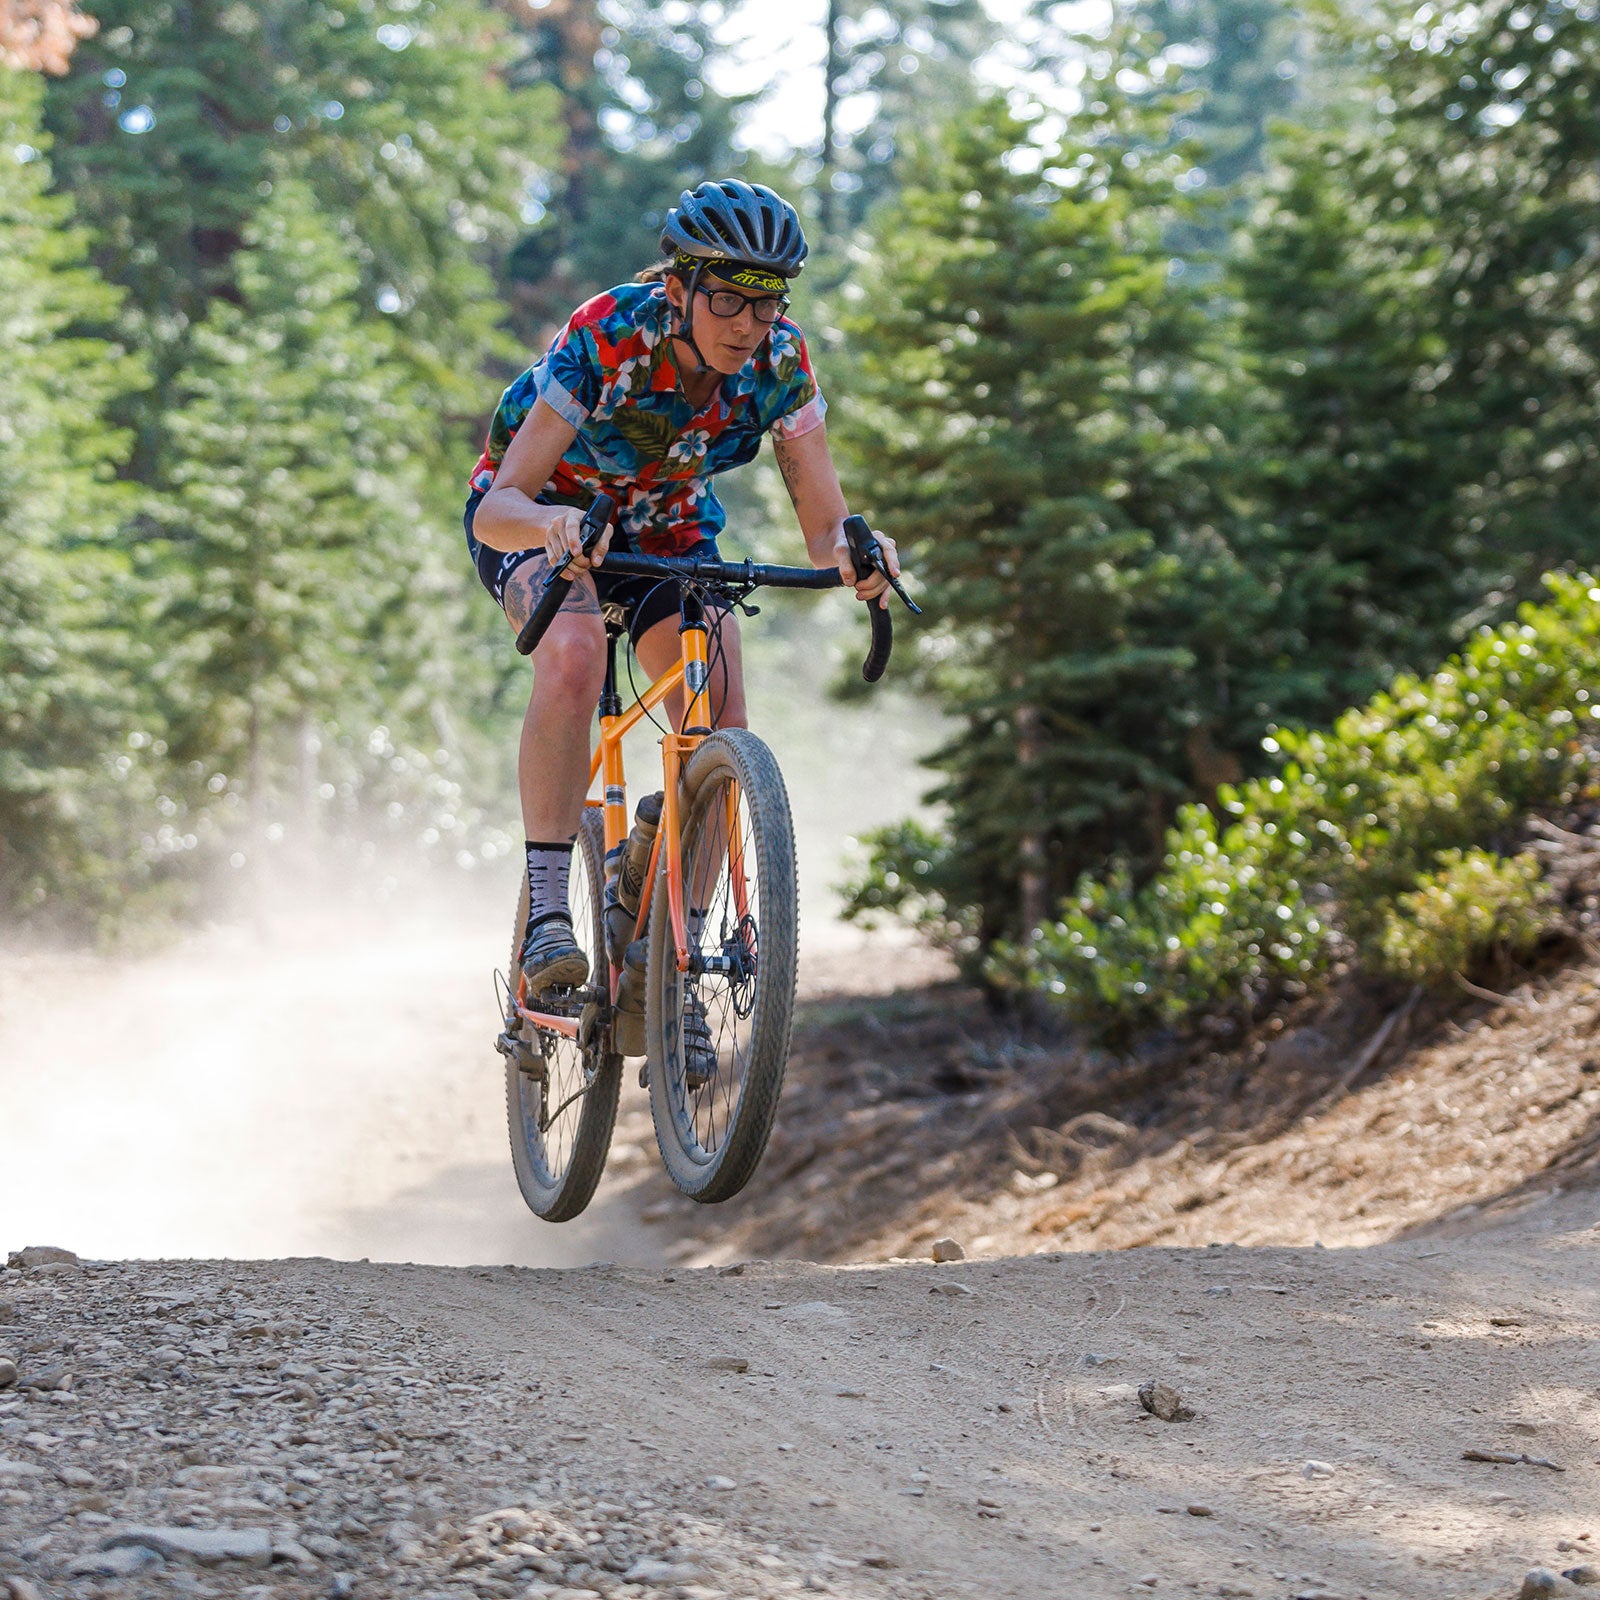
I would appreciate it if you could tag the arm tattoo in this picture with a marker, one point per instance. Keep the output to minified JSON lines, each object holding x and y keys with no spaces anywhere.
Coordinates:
{"x":790,"y":469}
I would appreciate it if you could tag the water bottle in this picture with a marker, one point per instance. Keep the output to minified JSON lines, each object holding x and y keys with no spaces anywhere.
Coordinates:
{"x":625,"y":868}
{"x":628,"y":1023}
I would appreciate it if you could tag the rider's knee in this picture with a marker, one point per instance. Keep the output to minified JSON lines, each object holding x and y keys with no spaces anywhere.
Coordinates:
{"x":727,"y":698}
{"x":571,"y":662}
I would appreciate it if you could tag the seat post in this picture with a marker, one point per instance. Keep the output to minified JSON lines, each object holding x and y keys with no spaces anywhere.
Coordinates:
{"x":610,"y":700}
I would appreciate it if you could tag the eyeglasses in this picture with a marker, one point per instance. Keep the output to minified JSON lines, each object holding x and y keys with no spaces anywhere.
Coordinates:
{"x":727,"y":303}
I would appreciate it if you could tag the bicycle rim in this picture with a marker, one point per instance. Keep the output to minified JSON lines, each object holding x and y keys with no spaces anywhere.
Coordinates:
{"x":560,"y":1119}
{"x":740,"y":904}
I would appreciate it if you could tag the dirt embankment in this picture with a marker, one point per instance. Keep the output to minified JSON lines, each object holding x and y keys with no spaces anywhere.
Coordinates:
{"x":918,"y":1114}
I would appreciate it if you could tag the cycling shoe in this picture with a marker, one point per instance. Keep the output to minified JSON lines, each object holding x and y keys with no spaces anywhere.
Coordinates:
{"x":551,"y":958}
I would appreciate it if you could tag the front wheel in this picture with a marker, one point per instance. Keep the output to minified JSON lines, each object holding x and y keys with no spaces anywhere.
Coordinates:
{"x":718,"y":1034}
{"x":561,"y":1093}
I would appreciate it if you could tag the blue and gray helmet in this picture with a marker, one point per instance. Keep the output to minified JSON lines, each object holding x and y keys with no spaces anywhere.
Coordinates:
{"x":729,"y":220}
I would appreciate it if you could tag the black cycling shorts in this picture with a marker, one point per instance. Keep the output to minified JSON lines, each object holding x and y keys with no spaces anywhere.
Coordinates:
{"x":645,"y":601}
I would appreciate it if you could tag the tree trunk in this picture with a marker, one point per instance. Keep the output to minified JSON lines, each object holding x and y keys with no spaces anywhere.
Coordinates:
{"x":1033,"y":884}
{"x":830,"y":116}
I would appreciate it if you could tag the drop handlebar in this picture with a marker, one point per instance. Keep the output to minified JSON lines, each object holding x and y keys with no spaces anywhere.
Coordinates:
{"x":714,"y":573}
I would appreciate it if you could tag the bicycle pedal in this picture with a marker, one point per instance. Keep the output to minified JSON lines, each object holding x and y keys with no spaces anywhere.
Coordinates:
{"x":520,"y":1054}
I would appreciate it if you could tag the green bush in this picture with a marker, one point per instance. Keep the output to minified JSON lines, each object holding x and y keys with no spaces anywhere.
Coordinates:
{"x":904,"y":879}
{"x":1474,"y":901}
{"x":1374,"y":842}
{"x":1224,"y":920}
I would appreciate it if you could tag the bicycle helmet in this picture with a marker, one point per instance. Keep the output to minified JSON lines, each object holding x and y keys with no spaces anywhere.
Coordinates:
{"x":727,"y":220}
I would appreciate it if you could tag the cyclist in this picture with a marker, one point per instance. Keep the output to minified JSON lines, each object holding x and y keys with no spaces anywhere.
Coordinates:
{"x":648,"y":392}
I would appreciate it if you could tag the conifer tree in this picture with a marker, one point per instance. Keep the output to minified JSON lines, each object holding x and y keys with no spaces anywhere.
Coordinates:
{"x":1021,"y":419}
{"x":1242,"y":61}
{"x":61,"y":697}
{"x":1419,"y":319}
{"x":293,"y":507}
{"x":891,"y":65}
{"x":175,"y":119}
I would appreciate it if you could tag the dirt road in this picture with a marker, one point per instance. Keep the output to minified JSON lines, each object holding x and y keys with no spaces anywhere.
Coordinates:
{"x":298,"y":1428}
{"x":901,"y":1429}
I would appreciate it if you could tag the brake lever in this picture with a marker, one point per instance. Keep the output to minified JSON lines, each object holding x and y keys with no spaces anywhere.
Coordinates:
{"x":866,"y":553}
{"x":595,"y":522}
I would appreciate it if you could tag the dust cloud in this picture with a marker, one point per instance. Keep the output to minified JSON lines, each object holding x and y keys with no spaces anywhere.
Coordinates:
{"x":322,"y":1081}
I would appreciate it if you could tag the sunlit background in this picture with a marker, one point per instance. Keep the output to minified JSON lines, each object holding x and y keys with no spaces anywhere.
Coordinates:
{"x":1216,"y":363}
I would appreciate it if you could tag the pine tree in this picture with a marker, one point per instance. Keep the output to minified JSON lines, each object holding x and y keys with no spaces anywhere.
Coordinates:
{"x":60,"y":694}
{"x":1419,"y":320}
{"x":1023,"y":414}
{"x":292,"y":507}
{"x":176,"y":117}
{"x":1242,"y":61}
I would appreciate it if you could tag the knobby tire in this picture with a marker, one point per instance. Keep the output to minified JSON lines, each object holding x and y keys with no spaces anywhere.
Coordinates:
{"x":712,"y":1138}
{"x":559,"y":1166}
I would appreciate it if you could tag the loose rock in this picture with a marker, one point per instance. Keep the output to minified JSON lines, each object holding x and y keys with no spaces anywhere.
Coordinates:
{"x":1540,"y":1583}
{"x":206,"y":1545}
{"x":1163,"y":1401}
{"x":948,"y":1250}
{"x":46,"y":1379}
{"x":41,"y":1255}
{"x":814,"y":1311}
{"x":648,"y":1569}
{"x":728,"y":1364}
{"x":1586,"y":1576}
{"x":122,"y":1562}
{"x":8,"y":1372}
{"x":1201,"y":1511}
{"x":951,"y":1289}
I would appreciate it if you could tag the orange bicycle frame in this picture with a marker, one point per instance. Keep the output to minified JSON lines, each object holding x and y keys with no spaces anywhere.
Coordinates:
{"x":693,"y":670}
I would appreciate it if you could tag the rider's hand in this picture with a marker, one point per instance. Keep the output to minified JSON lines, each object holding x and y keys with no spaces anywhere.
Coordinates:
{"x":563,"y":535}
{"x":871,"y":585}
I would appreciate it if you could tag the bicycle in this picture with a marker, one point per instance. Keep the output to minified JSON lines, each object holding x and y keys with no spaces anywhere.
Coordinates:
{"x":689,"y":919}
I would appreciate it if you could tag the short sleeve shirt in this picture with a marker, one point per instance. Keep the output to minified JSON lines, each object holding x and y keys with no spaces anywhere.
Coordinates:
{"x":611,"y":373}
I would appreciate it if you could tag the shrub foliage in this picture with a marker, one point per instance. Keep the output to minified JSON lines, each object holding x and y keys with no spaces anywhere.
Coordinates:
{"x":1375,"y":843}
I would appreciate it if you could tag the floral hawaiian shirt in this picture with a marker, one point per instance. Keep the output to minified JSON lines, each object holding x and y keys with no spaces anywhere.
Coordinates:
{"x":612,"y":374}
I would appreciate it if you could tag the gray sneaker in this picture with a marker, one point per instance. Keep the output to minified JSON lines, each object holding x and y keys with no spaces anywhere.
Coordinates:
{"x":551,"y":958}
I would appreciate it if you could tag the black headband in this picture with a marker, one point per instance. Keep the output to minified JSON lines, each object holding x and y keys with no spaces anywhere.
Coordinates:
{"x":742,"y":274}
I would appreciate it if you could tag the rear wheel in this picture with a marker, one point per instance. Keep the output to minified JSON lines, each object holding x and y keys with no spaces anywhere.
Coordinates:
{"x":718,"y":1034}
{"x":561,"y":1093}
